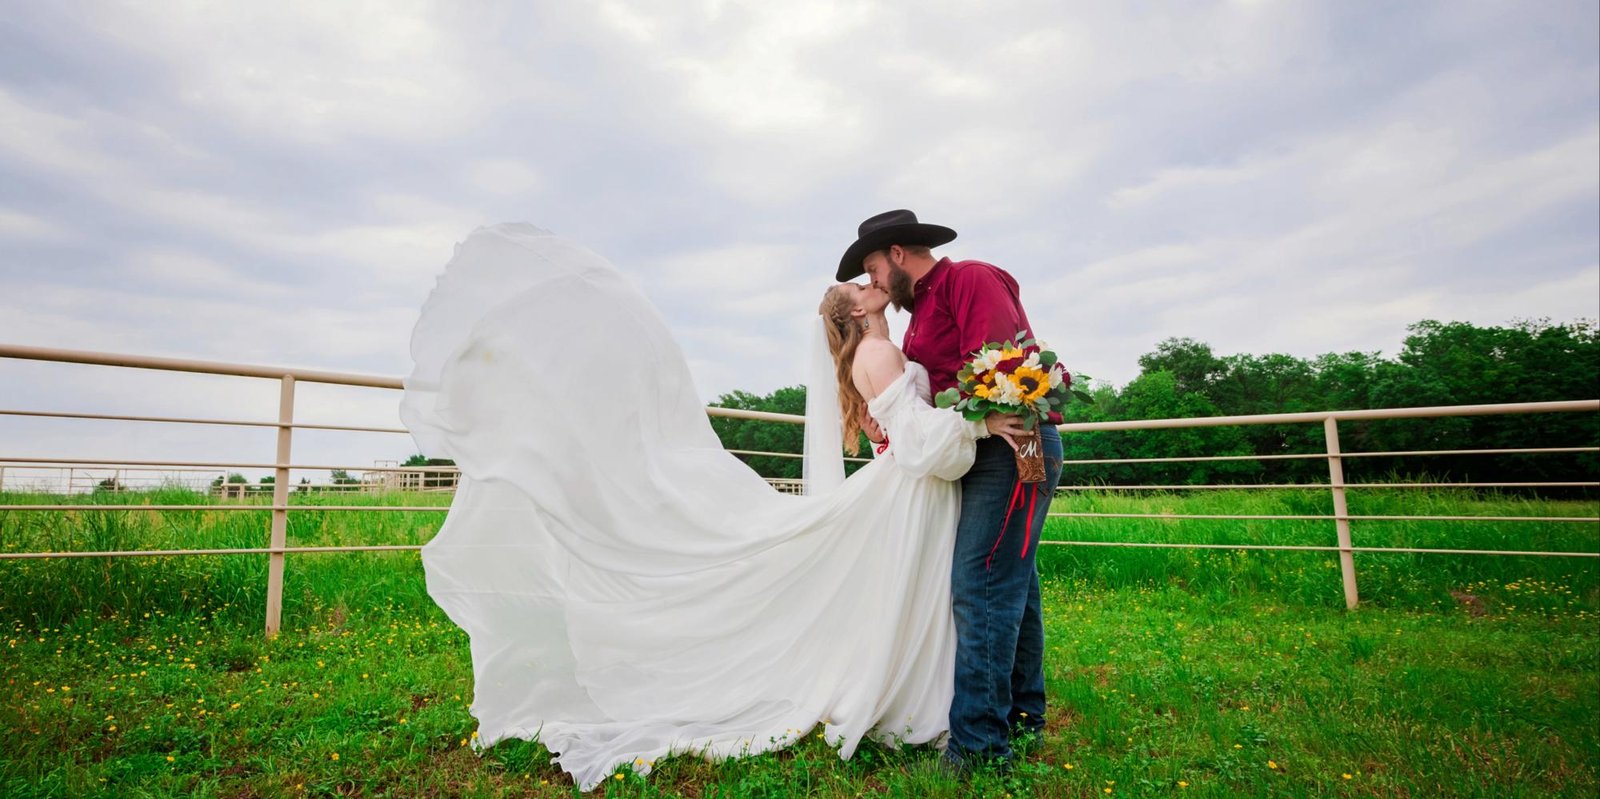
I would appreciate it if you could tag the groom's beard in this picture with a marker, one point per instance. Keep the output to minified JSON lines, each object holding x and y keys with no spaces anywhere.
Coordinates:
{"x":900,"y":289}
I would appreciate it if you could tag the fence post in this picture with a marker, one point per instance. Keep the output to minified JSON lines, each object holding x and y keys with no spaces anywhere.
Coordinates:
{"x":1341,"y":512}
{"x":280,"y":510}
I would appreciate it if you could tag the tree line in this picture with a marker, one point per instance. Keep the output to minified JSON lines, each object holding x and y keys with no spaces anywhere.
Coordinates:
{"x":1440,"y":363}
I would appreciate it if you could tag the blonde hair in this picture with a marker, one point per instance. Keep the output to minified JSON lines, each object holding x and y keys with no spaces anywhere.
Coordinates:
{"x":844,"y":336}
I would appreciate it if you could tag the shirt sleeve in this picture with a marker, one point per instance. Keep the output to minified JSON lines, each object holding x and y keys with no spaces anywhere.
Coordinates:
{"x":984,"y":305}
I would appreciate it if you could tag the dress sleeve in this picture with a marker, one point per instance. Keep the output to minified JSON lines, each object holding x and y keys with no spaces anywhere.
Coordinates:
{"x":926,"y":441}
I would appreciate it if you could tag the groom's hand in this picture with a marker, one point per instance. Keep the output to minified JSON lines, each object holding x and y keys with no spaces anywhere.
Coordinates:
{"x":1005,"y":425}
{"x":870,"y":426}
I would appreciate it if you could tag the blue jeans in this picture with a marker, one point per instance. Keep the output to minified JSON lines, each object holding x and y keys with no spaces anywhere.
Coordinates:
{"x":999,"y":681}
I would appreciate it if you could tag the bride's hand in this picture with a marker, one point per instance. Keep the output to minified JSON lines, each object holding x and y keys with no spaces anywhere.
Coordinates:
{"x":1005,"y":425}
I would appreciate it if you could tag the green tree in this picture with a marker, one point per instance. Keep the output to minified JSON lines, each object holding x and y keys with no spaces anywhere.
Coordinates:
{"x":1192,"y":364}
{"x":1158,"y":396}
{"x":1267,"y":384}
{"x":763,"y":436}
{"x":432,"y":479}
{"x":232,"y":478}
{"x":1441,"y":363}
{"x":1456,"y":363}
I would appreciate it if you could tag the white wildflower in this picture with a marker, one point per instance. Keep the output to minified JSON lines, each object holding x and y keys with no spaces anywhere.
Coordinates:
{"x":1007,"y":392}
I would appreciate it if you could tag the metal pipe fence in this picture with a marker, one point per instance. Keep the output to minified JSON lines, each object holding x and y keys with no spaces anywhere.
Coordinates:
{"x":282,"y":466}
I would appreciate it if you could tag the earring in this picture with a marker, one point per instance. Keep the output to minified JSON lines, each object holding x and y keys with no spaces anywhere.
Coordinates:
{"x":866,"y":324}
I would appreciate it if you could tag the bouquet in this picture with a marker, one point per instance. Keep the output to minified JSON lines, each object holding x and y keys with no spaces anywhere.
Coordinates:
{"x":1021,"y":377}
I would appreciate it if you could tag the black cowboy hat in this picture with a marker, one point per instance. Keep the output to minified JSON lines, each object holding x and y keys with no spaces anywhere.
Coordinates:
{"x":885,"y":229}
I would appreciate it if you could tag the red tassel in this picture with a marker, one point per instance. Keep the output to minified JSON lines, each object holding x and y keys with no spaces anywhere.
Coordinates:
{"x":1027,"y":529}
{"x":1016,"y":496}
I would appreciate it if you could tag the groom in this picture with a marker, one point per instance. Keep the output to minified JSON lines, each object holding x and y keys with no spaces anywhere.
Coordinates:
{"x":956,"y":307}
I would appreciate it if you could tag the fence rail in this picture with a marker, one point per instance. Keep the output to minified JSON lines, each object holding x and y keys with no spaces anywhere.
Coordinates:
{"x":282,"y":464}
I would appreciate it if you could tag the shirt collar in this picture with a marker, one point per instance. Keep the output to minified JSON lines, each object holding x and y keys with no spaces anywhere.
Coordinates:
{"x":931,"y":279}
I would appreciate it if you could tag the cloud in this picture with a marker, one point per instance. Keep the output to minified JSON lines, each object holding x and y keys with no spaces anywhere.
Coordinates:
{"x":169,"y":272}
{"x":306,"y":71}
{"x":504,"y":176}
{"x":282,"y":183}
{"x":17,"y":226}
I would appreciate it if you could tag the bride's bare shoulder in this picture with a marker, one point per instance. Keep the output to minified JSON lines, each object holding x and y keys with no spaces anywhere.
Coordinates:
{"x":879,"y":348}
{"x":878,"y":363}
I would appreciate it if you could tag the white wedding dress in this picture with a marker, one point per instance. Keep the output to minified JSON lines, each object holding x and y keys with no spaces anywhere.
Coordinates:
{"x":631,"y":590}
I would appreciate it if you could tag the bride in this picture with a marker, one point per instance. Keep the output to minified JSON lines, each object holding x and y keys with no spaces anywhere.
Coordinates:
{"x":630,"y":589}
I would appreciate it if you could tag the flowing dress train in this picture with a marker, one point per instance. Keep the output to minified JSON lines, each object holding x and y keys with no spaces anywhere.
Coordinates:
{"x":632,"y":590}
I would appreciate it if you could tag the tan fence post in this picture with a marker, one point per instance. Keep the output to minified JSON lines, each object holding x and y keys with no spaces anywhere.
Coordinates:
{"x":280,"y":501}
{"x":1341,"y":512}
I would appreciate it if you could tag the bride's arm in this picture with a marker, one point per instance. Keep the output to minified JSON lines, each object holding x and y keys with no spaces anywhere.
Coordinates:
{"x":876,"y":365}
{"x":927,"y":441}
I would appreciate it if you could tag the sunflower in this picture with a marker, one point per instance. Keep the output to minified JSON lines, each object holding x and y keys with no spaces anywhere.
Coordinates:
{"x":1031,"y":383}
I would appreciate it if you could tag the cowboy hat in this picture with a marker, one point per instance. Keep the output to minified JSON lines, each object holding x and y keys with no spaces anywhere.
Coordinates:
{"x":886,"y":229}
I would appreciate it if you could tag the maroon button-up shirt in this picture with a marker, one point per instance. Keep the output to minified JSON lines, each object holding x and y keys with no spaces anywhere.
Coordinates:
{"x":959,"y":307}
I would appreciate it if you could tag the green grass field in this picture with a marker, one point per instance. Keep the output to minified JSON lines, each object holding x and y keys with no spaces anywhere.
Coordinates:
{"x":1171,"y":672}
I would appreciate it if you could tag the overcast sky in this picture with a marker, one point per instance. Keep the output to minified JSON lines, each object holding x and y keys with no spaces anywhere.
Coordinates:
{"x":281,"y":182}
